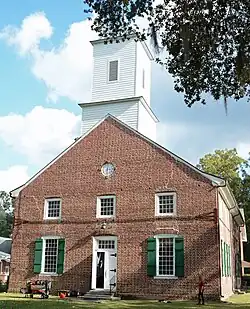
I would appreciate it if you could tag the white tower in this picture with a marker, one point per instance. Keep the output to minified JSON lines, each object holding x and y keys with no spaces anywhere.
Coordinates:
{"x":121,"y":86}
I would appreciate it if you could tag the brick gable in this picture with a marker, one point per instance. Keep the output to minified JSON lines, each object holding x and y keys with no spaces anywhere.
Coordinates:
{"x":142,"y":169}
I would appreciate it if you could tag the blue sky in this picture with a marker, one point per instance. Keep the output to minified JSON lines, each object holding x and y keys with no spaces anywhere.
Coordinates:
{"x":46,"y":71}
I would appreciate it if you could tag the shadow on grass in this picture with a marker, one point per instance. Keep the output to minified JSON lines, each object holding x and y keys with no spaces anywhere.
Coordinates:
{"x":16,"y":301}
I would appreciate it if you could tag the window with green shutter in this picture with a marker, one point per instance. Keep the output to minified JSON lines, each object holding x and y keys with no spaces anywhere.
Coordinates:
{"x":229,"y":259}
{"x":151,"y":257}
{"x":49,"y":256}
{"x":179,"y":256}
{"x":38,"y":255}
{"x":60,"y":257}
{"x":165,"y":256}
{"x":222,"y":258}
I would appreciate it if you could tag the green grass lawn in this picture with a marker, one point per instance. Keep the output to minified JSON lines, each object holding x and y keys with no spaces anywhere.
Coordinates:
{"x":16,"y":301}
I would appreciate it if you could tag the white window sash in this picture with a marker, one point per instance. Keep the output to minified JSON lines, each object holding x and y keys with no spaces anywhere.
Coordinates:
{"x":43,"y":254}
{"x":157,"y":205}
{"x":158,"y":237}
{"x":98,"y":206}
{"x":46,"y":208}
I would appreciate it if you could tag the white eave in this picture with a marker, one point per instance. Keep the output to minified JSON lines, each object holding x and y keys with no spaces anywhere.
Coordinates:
{"x":216,"y":181}
{"x":231,"y":203}
{"x":131,"y":99}
{"x":133,"y":36}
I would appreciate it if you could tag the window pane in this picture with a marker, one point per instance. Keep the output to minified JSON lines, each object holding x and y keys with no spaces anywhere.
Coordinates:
{"x":54,"y":209}
{"x":166,"y":204}
{"x":51,"y":248}
{"x":166,"y":256}
{"x":107,"y":206}
{"x":113,"y":70}
{"x":106,"y":244}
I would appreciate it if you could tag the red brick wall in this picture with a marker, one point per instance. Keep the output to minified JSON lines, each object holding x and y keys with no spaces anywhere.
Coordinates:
{"x":141,"y":171}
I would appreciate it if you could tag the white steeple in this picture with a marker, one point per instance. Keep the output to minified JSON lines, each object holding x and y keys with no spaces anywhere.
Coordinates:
{"x":121,"y":86}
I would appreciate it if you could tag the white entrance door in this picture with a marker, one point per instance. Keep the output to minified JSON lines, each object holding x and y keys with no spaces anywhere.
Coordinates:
{"x":112,"y":270}
{"x":104,"y":263}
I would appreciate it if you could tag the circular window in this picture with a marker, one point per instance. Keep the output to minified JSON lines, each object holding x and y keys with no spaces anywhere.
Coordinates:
{"x":108,"y":169}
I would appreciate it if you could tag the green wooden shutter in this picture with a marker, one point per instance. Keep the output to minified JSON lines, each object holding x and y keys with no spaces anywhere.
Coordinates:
{"x":179,"y":256}
{"x":229,"y":258}
{"x":151,"y":257}
{"x":60,"y":258}
{"x":38,"y":255}
{"x":222,"y":258}
{"x":225,"y":257}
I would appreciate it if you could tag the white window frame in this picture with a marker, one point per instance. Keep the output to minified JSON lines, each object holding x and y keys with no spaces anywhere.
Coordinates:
{"x":43,"y":255}
{"x":157,"y":237}
{"x":157,"y":208}
{"x":7,"y":270}
{"x":46,"y":207}
{"x":98,"y":206}
{"x":118,"y":71}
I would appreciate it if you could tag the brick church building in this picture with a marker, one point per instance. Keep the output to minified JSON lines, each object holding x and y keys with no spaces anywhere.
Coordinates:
{"x":116,"y":211}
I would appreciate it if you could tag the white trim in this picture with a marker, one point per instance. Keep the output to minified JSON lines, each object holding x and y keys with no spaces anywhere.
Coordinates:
{"x":98,"y":206}
{"x":166,"y":277}
{"x":157,"y":237}
{"x":231,"y":204}
{"x":44,"y":238}
{"x":157,"y":195}
{"x":132,"y":36}
{"x":118,"y":71}
{"x":46,"y":204}
{"x":214,"y":180}
{"x":143,"y":78}
{"x":131,"y":99}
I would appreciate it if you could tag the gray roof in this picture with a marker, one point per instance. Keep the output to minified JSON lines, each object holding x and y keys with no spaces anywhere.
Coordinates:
{"x":5,"y":245}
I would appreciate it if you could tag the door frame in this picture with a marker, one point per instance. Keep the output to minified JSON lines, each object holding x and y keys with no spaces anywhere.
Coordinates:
{"x":94,"y":256}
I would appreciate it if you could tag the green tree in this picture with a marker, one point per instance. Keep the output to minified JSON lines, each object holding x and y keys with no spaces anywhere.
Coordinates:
{"x":6,"y":214}
{"x":207,"y":42}
{"x":229,"y":165}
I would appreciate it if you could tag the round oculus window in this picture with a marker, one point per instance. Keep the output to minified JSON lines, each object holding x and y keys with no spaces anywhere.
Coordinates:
{"x":108,"y":169}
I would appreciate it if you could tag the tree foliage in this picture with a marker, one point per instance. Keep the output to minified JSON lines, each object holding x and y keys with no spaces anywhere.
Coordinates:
{"x":207,"y":41}
{"x":6,"y":214}
{"x":229,"y":165}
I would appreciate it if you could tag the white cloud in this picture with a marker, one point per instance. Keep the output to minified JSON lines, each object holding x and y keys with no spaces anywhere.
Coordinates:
{"x":65,"y":70}
{"x":27,"y":38}
{"x":13,"y":177}
{"x":40,"y":134}
{"x":243,"y":150}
